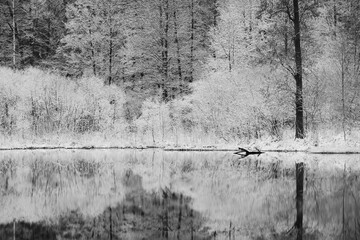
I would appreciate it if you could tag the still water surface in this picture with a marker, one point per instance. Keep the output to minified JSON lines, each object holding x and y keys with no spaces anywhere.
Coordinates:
{"x":154,"y":194}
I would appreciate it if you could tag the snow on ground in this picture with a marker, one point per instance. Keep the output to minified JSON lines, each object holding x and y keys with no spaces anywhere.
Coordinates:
{"x":325,"y":142}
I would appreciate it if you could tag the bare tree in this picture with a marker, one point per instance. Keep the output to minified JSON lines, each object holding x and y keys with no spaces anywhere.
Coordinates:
{"x":299,"y":122}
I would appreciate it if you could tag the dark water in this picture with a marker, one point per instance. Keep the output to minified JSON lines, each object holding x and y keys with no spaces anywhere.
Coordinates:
{"x":128,"y":194}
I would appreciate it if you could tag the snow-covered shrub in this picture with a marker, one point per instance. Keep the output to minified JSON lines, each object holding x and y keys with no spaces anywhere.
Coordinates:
{"x":101,"y":104}
{"x":8,"y":100}
{"x":39,"y":102}
{"x":182,"y":115}
{"x":228,"y":103}
{"x":154,"y":121}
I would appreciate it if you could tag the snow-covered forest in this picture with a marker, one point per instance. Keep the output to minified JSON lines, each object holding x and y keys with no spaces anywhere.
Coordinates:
{"x":179,"y":72}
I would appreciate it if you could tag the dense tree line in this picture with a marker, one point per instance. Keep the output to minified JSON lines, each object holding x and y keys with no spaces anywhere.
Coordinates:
{"x":31,"y":31}
{"x":252,"y":34}
{"x":147,"y":45}
{"x":235,"y":68}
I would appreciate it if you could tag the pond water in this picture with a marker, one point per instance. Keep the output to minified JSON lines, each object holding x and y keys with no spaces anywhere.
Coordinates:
{"x":155,"y":194}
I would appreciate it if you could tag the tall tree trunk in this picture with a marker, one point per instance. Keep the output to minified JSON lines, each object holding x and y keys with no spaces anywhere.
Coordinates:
{"x":48,"y":39}
{"x":111,"y":41}
{"x":233,"y":51}
{"x":299,"y":123}
{"x":178,"y":56}
{"x":33,"y":29}
{"x":343,"y":56}
{"x":164,"y":28}
{"x":229,"y":58}
{"x":92,"y":47}
{"x":335,"y":14}
{"x":14,"y":34}
{"x":166,"y":50}
{"x":93,"y":59}
{"x":161,"y":26}
{"x":110,"y":54}
{"x":192,"y":39}
{"x":215,"y":13}
{"x":286,"y":36}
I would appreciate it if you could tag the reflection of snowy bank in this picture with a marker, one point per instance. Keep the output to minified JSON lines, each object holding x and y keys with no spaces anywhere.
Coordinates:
{"x":43,"y":185}
{"x":257,"y":196}
{"x":139,"y":215}
{"x":254,"y":194}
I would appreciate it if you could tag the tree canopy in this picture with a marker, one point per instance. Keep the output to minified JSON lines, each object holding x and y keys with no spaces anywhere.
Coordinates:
{"x":298,"y":61}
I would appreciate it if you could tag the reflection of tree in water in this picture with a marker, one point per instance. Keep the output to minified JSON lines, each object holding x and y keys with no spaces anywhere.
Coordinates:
{"x":331,"y":200}
{"x":27,"y":231}
{"x":265,"y":170}
{"x":7,"y":170}
{"x":141,"y":215}
{"x":86,"y":168}
{"x":334,"y":201}
{"x":253,"y":198}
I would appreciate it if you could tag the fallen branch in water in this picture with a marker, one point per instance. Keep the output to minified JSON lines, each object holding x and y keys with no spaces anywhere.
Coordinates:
{"x":244,"y":153}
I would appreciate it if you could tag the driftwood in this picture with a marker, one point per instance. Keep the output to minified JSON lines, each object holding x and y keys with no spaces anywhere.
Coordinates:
{"x":244,"y":153}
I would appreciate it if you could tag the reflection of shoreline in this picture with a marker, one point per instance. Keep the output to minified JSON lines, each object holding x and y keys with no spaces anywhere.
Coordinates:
{"x":252,"y":194}
{"x":141,"y":215}
{"x":48,"y":193}
{"x":313,"y":150}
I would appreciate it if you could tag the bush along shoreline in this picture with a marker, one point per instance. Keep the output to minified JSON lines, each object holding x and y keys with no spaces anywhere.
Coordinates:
{"x":41,"y":110}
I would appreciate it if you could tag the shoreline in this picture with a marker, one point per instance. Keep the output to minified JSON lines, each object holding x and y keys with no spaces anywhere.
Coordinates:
{"x":178,"y":149}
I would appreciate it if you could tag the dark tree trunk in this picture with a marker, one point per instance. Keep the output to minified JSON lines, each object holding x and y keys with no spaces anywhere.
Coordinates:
{"x":192,"y":39}
{"x":335,"y":15}
{"x":164,"y":28}
{"x":14,"y":33}
{"x":178,"y":56}
{"x":93,"y":61}
{"x":48,"y":39}
{"x":110,"y":54}
{"x":343,"y":88}
{"x":33,"y":29}
{"x":229,"y":57}
{"x":166,"y":50}
{"x":299,"y":199}
{"x":92,"y":55}
{"x":286,"y":36}
{"x":299,"y":124}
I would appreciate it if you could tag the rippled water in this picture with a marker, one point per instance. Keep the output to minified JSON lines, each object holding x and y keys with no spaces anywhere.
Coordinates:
{"x":146,"y":194}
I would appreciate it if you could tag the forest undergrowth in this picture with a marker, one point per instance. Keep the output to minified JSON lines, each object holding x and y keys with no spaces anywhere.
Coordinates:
{"x":42,"y":109}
